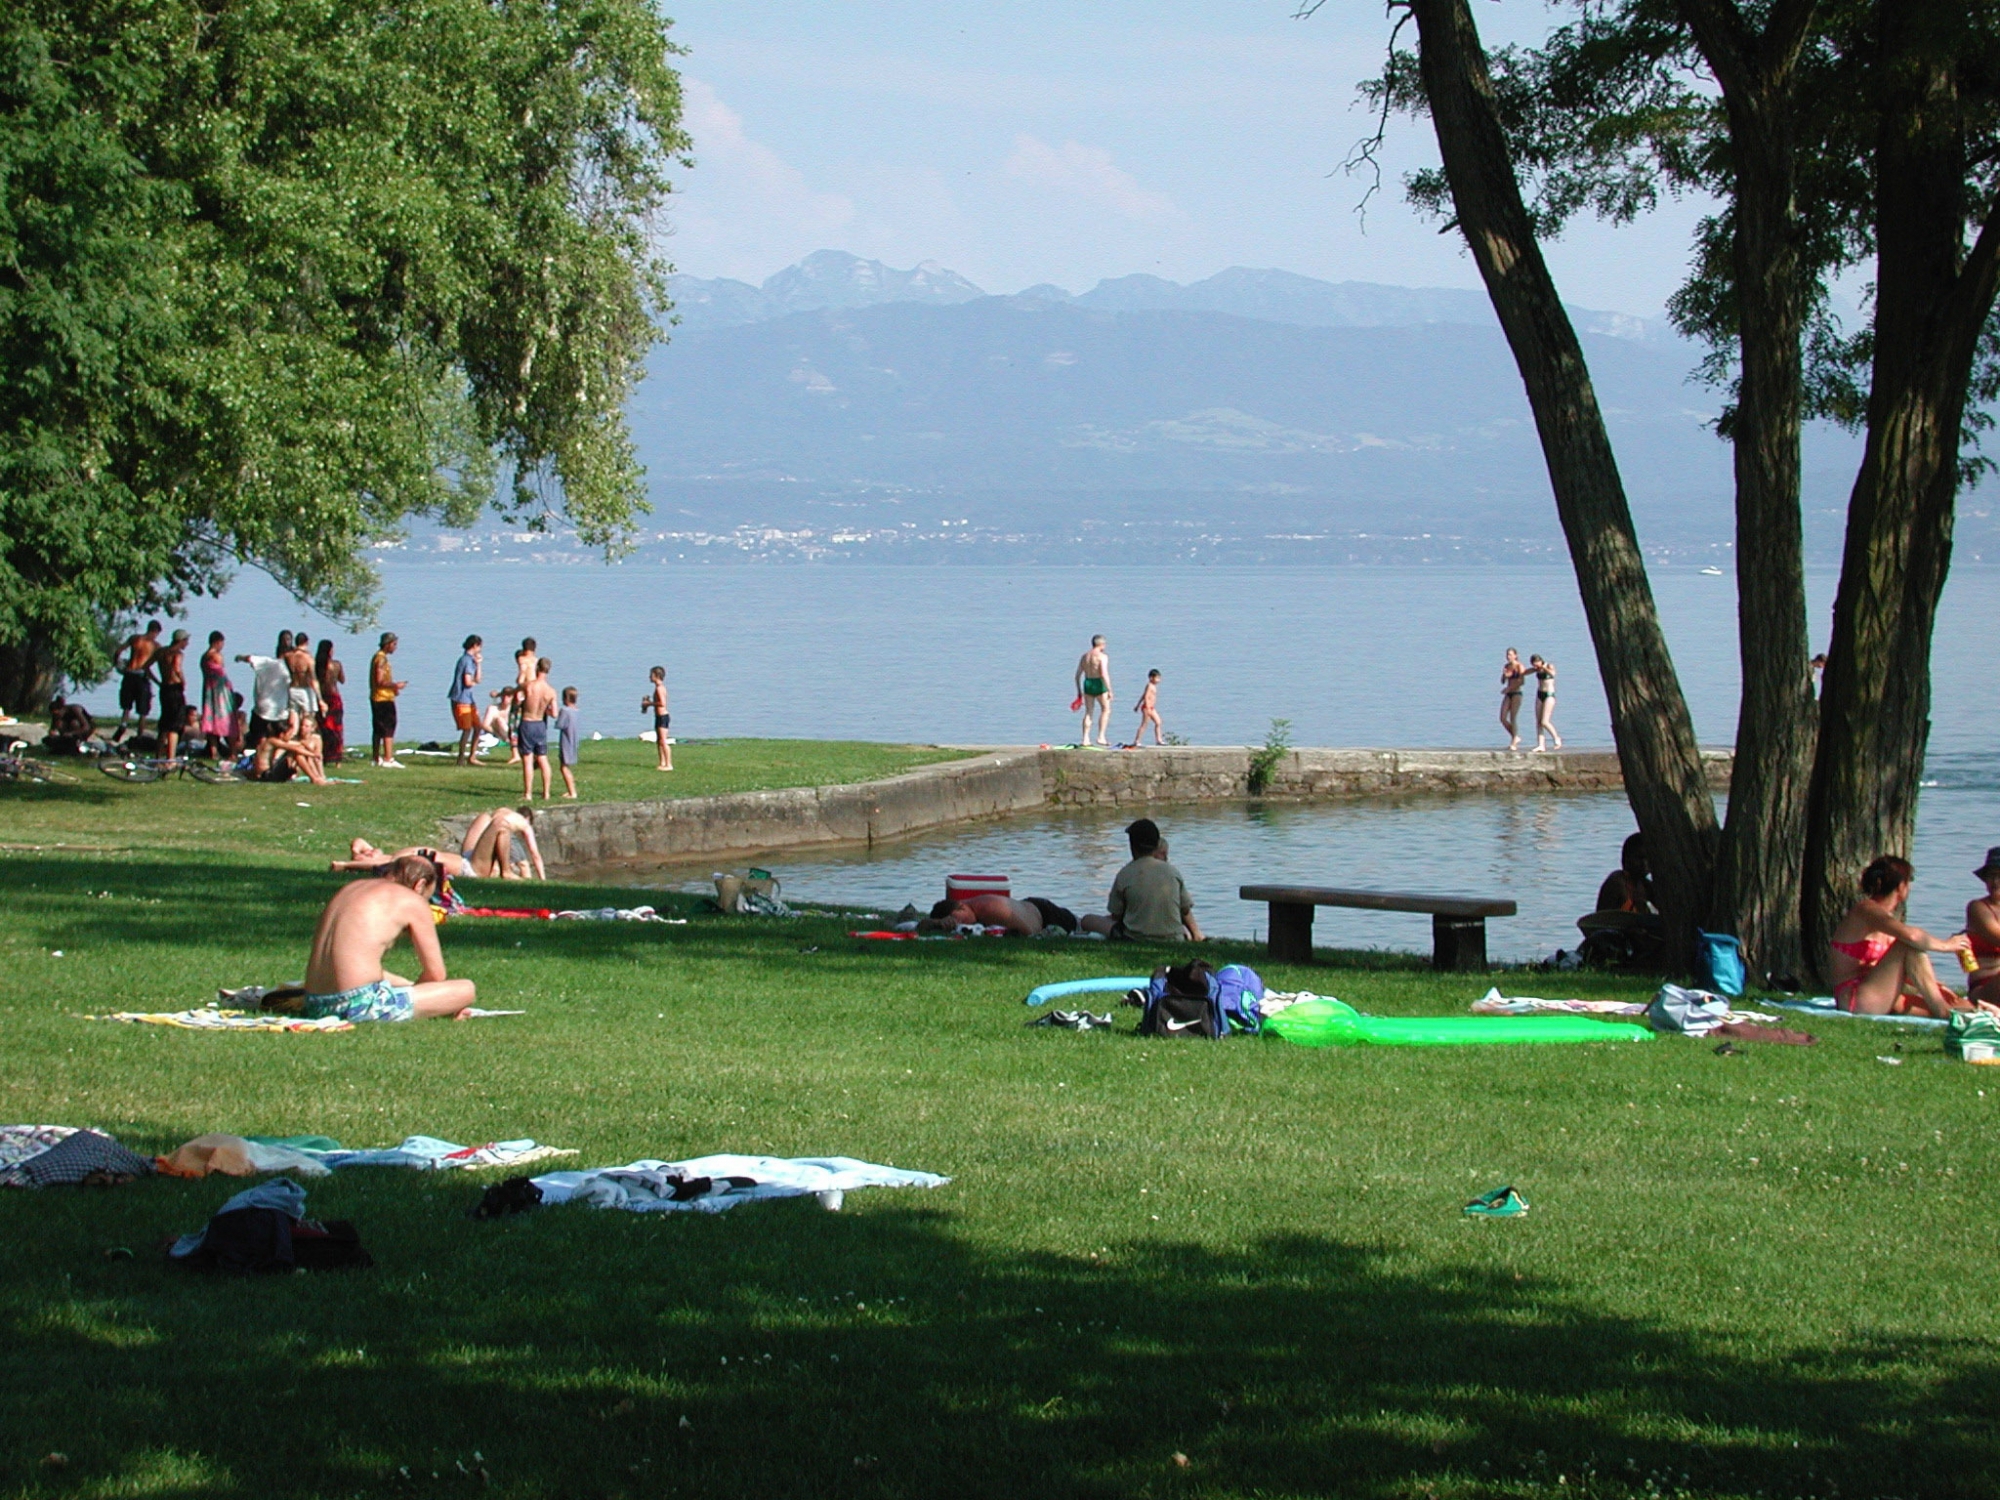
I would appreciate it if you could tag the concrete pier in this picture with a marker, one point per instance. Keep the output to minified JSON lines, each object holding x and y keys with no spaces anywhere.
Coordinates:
{"x":996,"y":782}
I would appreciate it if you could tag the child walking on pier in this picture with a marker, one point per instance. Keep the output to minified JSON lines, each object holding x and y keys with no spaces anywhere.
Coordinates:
{"x":1148,"y":710}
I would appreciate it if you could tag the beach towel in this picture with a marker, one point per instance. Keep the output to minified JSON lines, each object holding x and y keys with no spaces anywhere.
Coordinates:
{"x":1823,"y":1005}
{"x":712,"y":1184}
{"x":238,"y":1156}
{"x":213,"y":1018}
{"x":1493,"y":1003}
{"x":618,"y":914}
{"x":218,"y":1018}
{"x":426,"y":1153}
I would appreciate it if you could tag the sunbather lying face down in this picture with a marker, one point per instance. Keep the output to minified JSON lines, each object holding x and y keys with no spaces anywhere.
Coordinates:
{"x":364,"y":858}
{"x":365,"y":918}
{"x":1020,"y":918}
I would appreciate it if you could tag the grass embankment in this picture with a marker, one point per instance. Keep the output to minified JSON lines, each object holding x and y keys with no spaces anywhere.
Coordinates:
{"x":393,"y":808}
{"x":1758,"y":1274}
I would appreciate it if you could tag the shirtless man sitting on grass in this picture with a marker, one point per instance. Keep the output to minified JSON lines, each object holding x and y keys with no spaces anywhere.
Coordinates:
{"x":344,"y":975}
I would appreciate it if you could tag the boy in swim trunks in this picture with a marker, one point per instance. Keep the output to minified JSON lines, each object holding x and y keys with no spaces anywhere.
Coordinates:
{"x":363,"y":921}
{"x":655,"y":703}
{"x":1093,"y":685}
{"x":538,"y":712}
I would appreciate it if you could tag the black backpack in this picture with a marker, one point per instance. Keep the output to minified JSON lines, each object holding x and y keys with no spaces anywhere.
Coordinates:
{"x":1180,"y":1001}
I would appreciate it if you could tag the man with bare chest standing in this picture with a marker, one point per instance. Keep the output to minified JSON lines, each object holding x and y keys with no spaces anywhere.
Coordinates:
{"x":538,"y":710}
{"x":1093,"y":686}
{"x":135,"y":678}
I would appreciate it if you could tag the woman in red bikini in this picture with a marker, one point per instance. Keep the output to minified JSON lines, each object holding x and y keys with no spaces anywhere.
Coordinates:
{"x":1880,"y":963}
{"x":1982,"y":930}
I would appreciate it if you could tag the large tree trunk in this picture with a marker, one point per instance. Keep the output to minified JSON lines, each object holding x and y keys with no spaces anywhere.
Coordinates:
{"x":1758,"y":867}
{"x":29,"y":677}
{"x":1932,"y":299}
{"x":1649,"y":717}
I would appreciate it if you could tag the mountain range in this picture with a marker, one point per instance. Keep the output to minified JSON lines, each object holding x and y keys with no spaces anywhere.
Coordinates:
{"x":845,"y":409}
{"x":832,"y":279}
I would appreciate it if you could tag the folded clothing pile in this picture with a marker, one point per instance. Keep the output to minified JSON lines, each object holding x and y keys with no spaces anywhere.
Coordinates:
{"x":264,"y":1230}
{"x":52,"y":1155}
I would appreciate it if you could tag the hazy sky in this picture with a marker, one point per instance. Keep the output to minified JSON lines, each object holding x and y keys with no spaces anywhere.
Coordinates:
{"x":1028,"y":141}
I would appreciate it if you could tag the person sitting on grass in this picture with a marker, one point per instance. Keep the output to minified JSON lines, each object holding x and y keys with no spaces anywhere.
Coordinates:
{"x":1020,"y":918}
{"x":1879,"y":963}
{"x":488,"y":846}
{"x":1982,"y":932}
{"x":363,"y":858}
{"x":70,"y":724}
{"x":282,"y":754}
{"x":1149,"y":897}
{"x":363,"y":921}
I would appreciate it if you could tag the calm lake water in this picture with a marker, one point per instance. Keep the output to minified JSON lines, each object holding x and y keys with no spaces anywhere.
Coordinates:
{"x":1394,"y":656}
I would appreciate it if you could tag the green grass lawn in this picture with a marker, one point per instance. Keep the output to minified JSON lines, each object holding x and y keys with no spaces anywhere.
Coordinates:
{"x":1768,"y":1274}
{"x":394,"y":807}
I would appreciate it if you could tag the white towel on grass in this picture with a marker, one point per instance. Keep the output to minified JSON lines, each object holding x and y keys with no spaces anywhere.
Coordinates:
{"x":647,"y":1186}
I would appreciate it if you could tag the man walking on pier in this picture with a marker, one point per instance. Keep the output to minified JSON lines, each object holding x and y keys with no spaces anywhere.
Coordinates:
{"x":1093,"y":687}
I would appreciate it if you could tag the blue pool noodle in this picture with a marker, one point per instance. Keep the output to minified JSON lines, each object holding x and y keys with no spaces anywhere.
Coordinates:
{"x":1044,"y":993}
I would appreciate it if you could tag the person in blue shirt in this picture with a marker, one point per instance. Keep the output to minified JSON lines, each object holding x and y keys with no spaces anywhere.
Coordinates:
{"x":569,"y":730}
{"x":465,"y":699}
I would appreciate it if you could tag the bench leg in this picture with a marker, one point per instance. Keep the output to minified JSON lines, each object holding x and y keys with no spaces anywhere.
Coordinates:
{"x":1458,"y":943}
{"x":1291,"y":933}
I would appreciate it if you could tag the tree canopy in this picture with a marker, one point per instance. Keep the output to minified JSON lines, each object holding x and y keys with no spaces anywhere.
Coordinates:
{"x":277,"y":275}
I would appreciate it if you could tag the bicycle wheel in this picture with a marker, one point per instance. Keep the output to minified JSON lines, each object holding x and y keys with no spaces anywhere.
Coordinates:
{"x":214,"y":772}
{"x":132,"y":770}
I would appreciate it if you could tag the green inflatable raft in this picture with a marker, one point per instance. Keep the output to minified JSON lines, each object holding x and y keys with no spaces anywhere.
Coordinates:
{"x":1333,"y":1023}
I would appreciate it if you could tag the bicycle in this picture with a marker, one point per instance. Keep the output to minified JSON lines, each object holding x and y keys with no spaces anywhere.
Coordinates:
{"x":139,"y":770}
{"x":16,"y":766}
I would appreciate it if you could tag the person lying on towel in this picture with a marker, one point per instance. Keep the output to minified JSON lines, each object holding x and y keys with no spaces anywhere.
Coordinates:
{"x":1020,"y":918}
{"x":364,"y":858}
{"x":344,"y":975}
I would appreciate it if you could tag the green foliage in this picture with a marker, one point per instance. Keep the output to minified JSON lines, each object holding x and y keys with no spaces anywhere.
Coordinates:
{"x":1617,"y":108}
{"x":277,"y":275}
{"x":1264,"y":763}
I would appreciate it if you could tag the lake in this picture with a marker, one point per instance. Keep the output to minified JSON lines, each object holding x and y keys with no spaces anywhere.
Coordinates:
{"x":1392,"y":656}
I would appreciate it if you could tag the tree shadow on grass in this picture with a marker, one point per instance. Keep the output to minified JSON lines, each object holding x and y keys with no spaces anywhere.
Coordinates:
{"x":779,"y":1350}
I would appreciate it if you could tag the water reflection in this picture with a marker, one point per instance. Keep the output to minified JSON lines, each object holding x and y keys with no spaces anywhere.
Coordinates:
{"x":1547,"y":851}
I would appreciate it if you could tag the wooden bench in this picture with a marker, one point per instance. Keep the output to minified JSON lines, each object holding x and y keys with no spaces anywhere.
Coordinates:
{"x":1458,"y":923}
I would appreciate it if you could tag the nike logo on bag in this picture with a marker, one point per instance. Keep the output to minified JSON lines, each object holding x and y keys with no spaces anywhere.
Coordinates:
{"x":1181,"y":1025}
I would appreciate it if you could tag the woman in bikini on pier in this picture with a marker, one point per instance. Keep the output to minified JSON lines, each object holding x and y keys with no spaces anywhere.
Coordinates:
{"x":1879,"y":963}
{"x":1512,"y":676}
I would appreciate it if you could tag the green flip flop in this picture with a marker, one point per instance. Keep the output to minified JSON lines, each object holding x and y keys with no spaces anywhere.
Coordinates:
{"x":1501,"y":1203}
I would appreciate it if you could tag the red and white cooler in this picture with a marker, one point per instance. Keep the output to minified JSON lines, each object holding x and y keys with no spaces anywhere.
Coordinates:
{"x":963,"y":887}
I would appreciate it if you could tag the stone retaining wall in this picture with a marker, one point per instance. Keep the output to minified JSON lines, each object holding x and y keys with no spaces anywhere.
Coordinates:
{"x":994,"y":784}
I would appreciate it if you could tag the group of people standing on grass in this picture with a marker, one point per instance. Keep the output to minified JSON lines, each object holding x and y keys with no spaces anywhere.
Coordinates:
{"x":1513,"y":686}
{"x":292,"y":724}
